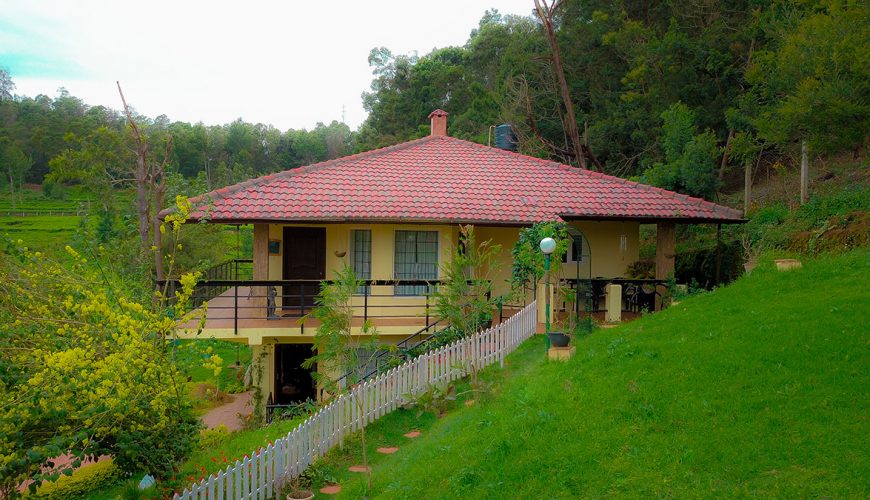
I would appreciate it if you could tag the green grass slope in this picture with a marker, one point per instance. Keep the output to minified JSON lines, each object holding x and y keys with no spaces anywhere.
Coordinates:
{"x":757,"y":389}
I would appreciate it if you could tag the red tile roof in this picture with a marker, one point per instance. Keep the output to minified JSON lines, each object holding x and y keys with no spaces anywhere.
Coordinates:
{"x":443,"y":179}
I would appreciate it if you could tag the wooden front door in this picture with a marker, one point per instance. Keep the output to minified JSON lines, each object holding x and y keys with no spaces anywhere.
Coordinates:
{"x":304,"y":259}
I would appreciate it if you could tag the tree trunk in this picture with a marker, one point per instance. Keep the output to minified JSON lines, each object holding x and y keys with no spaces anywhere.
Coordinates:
{"x":140,"y":175}
{"x":158,"y":184}
{"x":159,"y":191}
{"x":805,"y":171}
{"x":12,"y":189}
{"x":725,"y":155}
{"x":546,"y":16}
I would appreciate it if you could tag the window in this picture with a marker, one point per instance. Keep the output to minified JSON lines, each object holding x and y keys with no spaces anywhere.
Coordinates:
{"x":361,"y":256}
{"x":416,"y":259}
{"x":573,"y":253}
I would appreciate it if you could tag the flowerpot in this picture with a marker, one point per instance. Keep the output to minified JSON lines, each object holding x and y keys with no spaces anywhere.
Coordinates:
{"x":558,"y":339}
{"x":300,"y":495}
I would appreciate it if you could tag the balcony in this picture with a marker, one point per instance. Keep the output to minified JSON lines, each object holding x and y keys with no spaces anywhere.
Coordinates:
{"x":237,"y":306}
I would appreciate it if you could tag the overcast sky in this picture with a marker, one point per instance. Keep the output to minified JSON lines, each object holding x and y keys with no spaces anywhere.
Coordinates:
{"x":290,"y":64}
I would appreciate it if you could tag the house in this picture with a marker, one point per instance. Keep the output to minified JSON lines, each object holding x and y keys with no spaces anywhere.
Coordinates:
{"x":393,"y":214}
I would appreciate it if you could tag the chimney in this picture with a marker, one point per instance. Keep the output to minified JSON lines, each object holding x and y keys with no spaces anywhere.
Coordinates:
{"x":438,"y":119}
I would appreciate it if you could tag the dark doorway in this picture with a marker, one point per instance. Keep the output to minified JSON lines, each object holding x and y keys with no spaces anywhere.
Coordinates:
{"x":292,"y":382}
{"x":304,"y":259}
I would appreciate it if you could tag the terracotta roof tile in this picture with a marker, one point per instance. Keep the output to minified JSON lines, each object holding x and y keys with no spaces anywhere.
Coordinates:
{"x":442,"y":179}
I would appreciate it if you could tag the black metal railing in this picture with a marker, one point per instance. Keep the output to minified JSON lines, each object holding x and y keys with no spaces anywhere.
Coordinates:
{"x":239,"y":301}
{"x":231,"y":270}
{"x":637,"y":294}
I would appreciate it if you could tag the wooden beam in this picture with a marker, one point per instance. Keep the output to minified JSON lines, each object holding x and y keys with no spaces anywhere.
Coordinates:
{"x":261,"y":267}
{"x":666,"y":242}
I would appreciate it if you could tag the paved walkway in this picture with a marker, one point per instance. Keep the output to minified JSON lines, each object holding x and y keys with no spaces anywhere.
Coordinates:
{"x":228,"y":414}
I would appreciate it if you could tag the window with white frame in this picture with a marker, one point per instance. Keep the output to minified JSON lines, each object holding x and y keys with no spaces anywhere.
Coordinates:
{"x":416,"y":258}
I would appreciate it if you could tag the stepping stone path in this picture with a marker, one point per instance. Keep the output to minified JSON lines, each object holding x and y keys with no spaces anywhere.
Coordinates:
{"x":332,"y":489}
{"x":358,"y":468}
{"x":413,"y":434}
{"x":388,"y":450}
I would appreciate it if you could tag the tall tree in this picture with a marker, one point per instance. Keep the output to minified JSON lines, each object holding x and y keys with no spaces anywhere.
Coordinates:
{"x":15,"y":164}
{"x":149,"y":178}
{"x":546,"y":13}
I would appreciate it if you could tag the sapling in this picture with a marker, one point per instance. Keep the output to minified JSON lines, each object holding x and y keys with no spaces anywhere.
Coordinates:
{"x":338,"y":347}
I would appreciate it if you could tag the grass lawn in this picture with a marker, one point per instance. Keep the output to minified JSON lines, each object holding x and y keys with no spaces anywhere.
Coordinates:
{"x":757,"y":389}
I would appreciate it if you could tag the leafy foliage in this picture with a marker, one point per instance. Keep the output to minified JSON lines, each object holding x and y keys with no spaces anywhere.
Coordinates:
{"x":82,"y":481}
{"x":690,"y":158}
{"x":83,"y":360}
{"x":528,"y":260}
{"x":338,"y":354}
{"x":464,"y":298}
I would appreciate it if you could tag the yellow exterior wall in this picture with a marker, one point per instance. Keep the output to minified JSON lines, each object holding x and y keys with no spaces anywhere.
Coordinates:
{"x":383,"y":241}
{"x":604,"y":238}
{"x":608,"y":260}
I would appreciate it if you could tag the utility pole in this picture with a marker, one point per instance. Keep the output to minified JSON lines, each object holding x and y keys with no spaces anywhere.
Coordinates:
{"x":805,"y":170}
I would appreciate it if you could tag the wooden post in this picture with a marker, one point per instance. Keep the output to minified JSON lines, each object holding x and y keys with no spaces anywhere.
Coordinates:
{"x":261,"y":268}
{"x":747,"y":187}
{"x":666,"y":238}
{"x":718,"y":254}
{"x":805,"y":170}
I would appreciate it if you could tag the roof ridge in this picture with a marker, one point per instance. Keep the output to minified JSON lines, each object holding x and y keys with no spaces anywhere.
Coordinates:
{"x":225,"y":191}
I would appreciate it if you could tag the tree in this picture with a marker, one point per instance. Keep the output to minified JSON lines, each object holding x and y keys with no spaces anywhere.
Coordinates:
{"x":89,"y":370}
{"x":7,"y":86}
{"x":342,"y":355}
{"x":813,"y":80}
{"x":464,"y":298}
{"x":546,"y":13}
{"x":528,"y":260}
{"x":149,"y":176}
{"x":690,"y":157}
{"x":15,"y":165}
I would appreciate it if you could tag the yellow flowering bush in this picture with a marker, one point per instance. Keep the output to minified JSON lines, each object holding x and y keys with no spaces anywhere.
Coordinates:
{"x":86,"y":371}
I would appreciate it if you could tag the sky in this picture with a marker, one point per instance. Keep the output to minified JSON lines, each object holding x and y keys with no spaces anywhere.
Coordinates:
{"x":290,"y":64}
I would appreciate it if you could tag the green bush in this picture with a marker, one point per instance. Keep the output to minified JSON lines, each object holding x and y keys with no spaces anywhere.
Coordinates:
{"x":821,"y":208}
{"x":209,"y":438}
{"x":83,"y":480}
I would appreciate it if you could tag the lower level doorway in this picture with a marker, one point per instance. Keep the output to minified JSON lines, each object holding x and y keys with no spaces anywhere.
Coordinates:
{"x":293,"y":383}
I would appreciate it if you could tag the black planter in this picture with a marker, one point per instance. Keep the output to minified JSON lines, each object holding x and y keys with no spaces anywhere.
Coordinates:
{"x":558,"y":339}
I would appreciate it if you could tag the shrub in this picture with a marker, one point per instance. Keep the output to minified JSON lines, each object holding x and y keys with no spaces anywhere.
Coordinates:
{"x":642,"y":269}
{"x":88,"y":364}
{"x":210,"y":438}
{"x":83,"y":480}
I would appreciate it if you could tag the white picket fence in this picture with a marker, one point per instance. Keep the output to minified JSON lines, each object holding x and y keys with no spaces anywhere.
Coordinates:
{"x":262,"y":475}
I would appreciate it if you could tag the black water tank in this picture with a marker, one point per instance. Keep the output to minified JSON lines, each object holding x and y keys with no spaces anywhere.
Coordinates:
{"x":505,"y":138}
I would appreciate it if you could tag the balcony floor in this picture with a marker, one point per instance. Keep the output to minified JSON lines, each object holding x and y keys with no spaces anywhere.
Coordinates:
{"x":221,"y":313}
{"x":221,"y":310}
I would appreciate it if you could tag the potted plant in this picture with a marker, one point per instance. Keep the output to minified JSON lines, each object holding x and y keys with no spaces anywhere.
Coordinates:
{"x":297,"y":491}
{"x":559,"y":339}
{"x":561,"y":335}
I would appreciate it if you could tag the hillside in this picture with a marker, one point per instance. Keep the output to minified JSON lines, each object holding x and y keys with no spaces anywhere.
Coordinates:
{"x":756,"y":389}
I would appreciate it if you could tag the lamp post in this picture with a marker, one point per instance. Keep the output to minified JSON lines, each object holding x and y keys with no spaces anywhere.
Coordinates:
{"x":548,"y":246}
